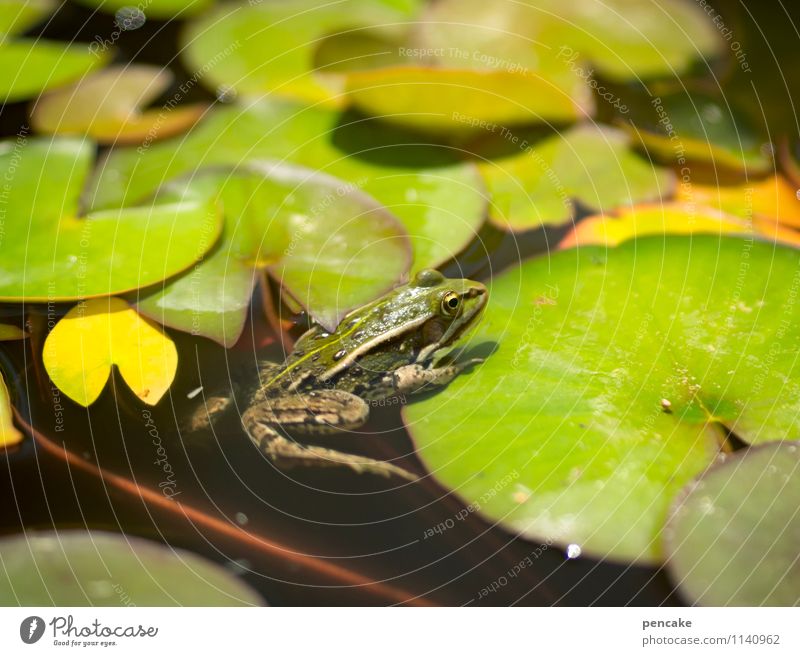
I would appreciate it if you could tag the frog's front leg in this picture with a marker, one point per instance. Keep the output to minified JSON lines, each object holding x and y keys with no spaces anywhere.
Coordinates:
{"x":415,"y":378}
{"x":319,"y":412}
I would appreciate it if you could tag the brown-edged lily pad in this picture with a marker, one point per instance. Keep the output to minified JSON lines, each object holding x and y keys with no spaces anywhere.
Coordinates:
{"x":108,"y":106}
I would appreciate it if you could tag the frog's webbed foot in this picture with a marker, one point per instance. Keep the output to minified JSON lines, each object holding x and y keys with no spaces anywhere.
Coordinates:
{"x":206,"y":413}
{"x":317,"y":412}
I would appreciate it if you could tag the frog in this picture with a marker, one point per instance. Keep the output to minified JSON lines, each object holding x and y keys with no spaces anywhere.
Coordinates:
{"x":386,"y":348}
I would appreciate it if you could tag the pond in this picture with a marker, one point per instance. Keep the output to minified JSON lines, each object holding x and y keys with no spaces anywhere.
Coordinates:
{"x":190,"y":186}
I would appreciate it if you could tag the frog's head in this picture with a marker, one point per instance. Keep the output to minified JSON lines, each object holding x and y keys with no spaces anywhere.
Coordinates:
{"x":453,"y":306}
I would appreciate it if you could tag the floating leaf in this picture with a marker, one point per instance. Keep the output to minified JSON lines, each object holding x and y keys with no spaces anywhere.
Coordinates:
{"x":259,"y":47}
{"x":404,"y":84}
{"x":161,"y":9}
{"x":623,"y":39}
{"x":96,"y":334}
{"x":684,"y":128}
{"x":772,"y":200}
{"x":617,"y":374}
{"x":17,"y":16}
{"x":670,"y":218}
{"x":33,"y":65}
{"x":95,"y":568}
{"x":468,"y":63}
{"x":440,"y":202}
{"x":331,"y":246}
{"x":431,"y":99}
{"x":733,"y":535}
{"x":8,"y":332}
{"x":49,"y":254}
{"x":539,"y":183}
{"x":9,"y":435}
{"x":107,"y":106}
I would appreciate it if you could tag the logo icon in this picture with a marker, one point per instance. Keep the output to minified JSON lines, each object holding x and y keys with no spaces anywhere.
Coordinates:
{"x":31,"y":629}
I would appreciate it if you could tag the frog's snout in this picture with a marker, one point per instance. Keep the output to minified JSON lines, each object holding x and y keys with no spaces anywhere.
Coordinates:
{"x":477,"y":290}
{"x":478,"y":294}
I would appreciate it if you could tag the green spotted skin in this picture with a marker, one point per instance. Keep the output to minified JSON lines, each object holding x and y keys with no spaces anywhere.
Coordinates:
{"x":380,"y":350}
{"x":404,"y":327}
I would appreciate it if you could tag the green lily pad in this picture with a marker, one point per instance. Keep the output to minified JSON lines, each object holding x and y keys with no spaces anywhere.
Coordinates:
{"x":259,"y":47}
{"x":683,"y":127}
{"x":49,"y":254}
{"x":733,"y":536}
{"x":332,"y":247}
{"x":623,"y":39}
{"x":80,"y":568}
{"x":35,"y":65}
{"x":153,"y":8}
{"x":441,"y":93}
{"x":434,"y":99}
{"x":470,"y":64}
{"x":440,"y":202}
{"x":594,"y":165}
{"x":17,"y":16}
{"x":108,"y":106}
{"x":618,"y":373}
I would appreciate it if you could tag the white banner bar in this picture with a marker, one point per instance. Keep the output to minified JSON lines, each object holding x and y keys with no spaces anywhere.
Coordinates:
{"x":399,"y":631}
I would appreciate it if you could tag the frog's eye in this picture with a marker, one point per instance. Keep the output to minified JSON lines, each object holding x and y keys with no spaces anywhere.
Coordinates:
{"x":450,"y":303}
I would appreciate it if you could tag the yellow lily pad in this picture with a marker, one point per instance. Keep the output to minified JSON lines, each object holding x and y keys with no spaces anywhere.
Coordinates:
{"x":773,"y":199}
{"x":670,"y":218}
{"x":9,"y":435}
{"x":107,"y":106}
{"x":93,"y":336}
